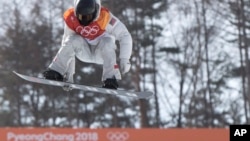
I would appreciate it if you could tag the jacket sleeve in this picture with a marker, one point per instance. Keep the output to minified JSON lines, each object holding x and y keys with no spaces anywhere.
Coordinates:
{"x":67,"y":32}
{"x":121,"y":33}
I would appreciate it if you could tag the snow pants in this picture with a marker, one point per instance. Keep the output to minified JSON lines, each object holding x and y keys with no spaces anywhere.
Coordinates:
{"x":76,"y":46}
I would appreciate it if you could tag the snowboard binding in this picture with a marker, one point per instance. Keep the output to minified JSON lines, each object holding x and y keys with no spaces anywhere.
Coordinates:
{"x":110,"y":83}
{"x":52,"y":75}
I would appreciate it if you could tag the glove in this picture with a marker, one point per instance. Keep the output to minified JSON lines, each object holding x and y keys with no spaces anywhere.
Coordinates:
{"x":124,"y":65}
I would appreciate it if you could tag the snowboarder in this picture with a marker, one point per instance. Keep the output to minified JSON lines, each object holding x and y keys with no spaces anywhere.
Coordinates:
{"x":90,"y":33}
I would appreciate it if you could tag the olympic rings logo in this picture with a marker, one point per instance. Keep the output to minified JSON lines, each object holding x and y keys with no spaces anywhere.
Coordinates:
{"x":117,"y":136}
{"x":87,"y":30}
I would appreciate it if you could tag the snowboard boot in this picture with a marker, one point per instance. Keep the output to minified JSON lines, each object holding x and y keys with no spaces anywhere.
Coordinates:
{"x":110,"y":83}
{"x":52,"y":75}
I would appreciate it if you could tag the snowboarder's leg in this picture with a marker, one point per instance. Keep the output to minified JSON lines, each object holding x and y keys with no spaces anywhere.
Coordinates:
{"x":106,"y":50}
{"x":64,"y":61}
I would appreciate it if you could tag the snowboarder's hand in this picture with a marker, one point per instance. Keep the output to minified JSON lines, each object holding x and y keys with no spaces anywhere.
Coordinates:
{"x":124,"y":65}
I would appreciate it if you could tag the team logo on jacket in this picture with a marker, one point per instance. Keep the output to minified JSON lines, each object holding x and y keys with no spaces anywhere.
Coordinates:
{"x":89,"y":32}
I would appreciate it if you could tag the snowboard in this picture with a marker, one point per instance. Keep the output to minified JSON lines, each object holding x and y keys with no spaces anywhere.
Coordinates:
{"x":138,"y":95}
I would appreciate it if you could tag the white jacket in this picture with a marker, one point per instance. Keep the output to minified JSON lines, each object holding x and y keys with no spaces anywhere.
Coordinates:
{"x":114,"y":28}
